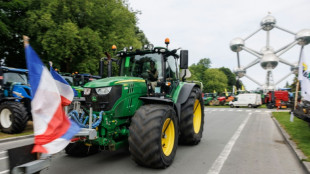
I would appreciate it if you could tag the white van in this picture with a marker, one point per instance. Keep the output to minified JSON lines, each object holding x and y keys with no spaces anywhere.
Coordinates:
{"x":250,"y":100}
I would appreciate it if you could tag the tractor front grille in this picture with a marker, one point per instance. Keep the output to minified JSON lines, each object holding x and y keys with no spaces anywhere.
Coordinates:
{"x":103,"y":102}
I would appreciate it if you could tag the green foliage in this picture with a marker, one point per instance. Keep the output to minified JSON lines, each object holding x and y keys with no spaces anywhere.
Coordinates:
{"x":215,"y":80}
{"x":231,"y":77}
{"x":293,"y":85}
{"x":198,"y":69}
{"x":12,"y":26}
{"x":72,"y":34}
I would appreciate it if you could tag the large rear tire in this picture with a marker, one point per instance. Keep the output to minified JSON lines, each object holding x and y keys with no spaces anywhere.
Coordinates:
{"x":81,"y":149}
{"x":153,"y":136}
{"x":192,"y":119}
{"x":13,"y":117}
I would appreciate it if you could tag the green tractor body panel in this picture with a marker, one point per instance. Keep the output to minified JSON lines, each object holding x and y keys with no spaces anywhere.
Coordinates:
{"x":118,"y":105}
{"x":175,"y":93}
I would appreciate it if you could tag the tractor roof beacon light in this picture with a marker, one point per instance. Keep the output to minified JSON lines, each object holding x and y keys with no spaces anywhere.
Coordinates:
{"x":145,"y":47}
{"x":125,"y":49}
{"x":167,"y":42}
{"x":114,"y":47}
{"x":131,"y":48}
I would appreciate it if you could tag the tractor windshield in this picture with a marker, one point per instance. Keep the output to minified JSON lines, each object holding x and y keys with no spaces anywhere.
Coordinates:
{"x":147,"y":66}
{"x":11,"y":77}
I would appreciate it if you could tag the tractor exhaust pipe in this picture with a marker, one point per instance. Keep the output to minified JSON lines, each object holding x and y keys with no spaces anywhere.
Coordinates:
{"x":101,"y":66}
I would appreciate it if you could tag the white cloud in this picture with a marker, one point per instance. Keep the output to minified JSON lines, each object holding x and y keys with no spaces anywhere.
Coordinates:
{"x":205,"y":28}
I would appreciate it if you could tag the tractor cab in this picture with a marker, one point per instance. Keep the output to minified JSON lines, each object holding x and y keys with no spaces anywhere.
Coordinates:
{"x":14,"y":83}
{"x":157,"y":66}
{"x":82,"y":79}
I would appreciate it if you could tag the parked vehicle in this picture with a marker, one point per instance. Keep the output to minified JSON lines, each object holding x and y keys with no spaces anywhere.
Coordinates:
{"x":278,"y":99}
{"x":15,"y":97}
{"x":250,"y":100}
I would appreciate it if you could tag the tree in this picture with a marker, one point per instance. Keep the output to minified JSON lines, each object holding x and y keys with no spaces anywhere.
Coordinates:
{"x":293,"y":85}
{"x":72,"y":34}
{"x":12,"y":26}
{"x":199,"y":69}
{"x":216,"y":80}
{"x":231,"y":77}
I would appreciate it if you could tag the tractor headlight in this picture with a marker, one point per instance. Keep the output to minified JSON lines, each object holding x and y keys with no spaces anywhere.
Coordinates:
{"x":87,"y":91}
{"x":103,"y":91}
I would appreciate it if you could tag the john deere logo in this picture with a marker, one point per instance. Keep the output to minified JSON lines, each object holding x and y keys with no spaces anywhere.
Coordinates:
{"x":94,"y":99}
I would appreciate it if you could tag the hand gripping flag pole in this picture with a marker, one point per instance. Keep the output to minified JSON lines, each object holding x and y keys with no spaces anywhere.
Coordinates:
{"x":52,"y":128}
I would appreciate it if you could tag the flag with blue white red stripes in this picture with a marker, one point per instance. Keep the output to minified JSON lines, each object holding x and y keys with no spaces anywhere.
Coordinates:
{"x":65,"y":90}
{"x":53,"y":130}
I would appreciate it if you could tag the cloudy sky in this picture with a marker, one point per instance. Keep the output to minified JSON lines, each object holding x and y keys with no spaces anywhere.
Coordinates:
{"x":206,"y":27}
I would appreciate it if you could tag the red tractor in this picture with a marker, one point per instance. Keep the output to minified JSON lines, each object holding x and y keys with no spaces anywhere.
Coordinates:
{"x":278,"y":99}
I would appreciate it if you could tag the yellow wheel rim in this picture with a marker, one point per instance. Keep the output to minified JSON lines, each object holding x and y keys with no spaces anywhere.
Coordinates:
{"x":197,"y":116}
{"x":167,"y":137}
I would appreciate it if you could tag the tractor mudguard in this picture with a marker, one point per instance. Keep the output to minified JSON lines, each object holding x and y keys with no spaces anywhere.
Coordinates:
{"x":185,"y":91}
{"x":183,"y":96}
{"x":151,"y":100}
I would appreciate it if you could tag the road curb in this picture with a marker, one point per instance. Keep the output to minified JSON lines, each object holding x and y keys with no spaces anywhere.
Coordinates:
{"x":298,"y":153}
{"x":15,"y":138}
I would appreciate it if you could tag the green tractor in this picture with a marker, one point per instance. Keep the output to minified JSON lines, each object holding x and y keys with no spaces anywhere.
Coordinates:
{"x":150,"y":108}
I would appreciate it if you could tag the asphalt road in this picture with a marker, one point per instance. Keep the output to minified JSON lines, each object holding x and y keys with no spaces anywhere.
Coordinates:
{"x":235,"y":140}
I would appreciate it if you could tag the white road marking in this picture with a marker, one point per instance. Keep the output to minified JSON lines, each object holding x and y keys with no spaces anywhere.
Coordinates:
{"x":219,"y":162}
{"x":257,"y":111}
{"x":214,"y":110}
{"x":4,"y":158}
{"x":2,"y":152}
{"x":5,"y":171}
{"x":239,"y":110}
{"x":230,"y":110}
{"x":248,"y":110}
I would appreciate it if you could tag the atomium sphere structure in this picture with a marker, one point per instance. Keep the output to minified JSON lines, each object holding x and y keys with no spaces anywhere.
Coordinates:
{"x":267,"y":56}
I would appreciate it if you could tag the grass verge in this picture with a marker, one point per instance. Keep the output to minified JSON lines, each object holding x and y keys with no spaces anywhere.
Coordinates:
{"x":27,"y":131}
{"x":299,"y":131}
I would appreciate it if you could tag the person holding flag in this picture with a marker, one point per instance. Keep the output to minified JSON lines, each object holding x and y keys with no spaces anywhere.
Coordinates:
{"x":53,"y":130}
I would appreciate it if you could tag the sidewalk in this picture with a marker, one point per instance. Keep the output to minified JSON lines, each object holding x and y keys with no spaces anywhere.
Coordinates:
{"x":299,"y":154}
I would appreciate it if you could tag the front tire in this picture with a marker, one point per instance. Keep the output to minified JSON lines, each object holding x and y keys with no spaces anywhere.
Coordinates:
{"x":153,"y":136}
{"x":13,"y":117}
{"x":192,"y":119}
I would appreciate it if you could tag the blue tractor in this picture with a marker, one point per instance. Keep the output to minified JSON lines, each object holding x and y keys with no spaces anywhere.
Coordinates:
{"x":15,"y":100}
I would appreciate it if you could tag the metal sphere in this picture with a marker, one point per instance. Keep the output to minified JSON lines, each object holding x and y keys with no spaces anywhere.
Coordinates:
{"x":268,"y":23}
{"x":236,"y":44}
{"x":303,"y":37}
{"x":269,"y":61}
{"x":240,"y":72}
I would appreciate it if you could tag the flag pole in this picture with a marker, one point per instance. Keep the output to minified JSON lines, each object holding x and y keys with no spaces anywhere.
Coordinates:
{"x":297,"y":83}
{"x":26,"y":40}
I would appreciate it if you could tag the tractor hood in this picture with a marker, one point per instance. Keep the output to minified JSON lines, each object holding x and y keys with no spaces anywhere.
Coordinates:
{"x":112,"y":81}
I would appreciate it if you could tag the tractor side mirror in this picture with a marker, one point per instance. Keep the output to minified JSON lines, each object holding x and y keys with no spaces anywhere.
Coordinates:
{"x":184,"y":59}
